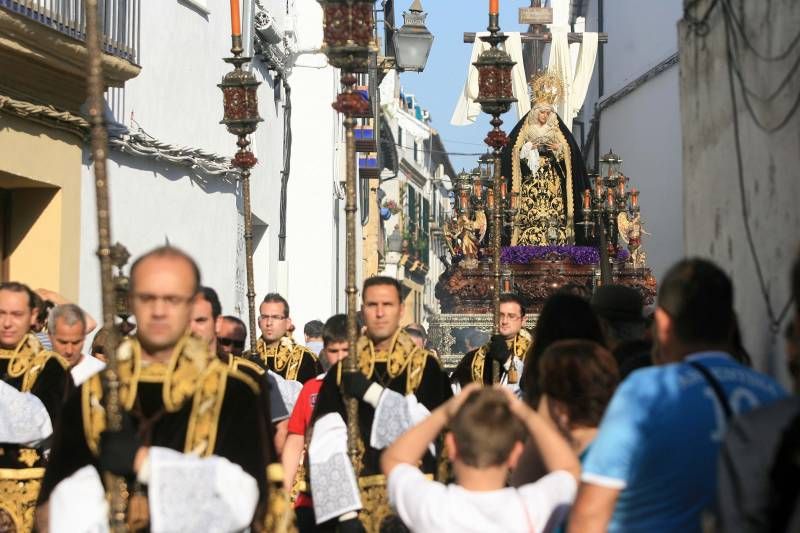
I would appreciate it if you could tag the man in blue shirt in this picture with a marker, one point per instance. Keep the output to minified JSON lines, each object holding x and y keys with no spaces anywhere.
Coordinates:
{"x":652,"y":466}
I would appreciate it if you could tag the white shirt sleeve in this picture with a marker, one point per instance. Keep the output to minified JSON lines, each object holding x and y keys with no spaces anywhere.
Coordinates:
{"x":549,"y":499}
{"x":414,"y":498}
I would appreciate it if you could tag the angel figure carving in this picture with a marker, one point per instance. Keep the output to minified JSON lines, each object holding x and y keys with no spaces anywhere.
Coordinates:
{"x":464,"y":235}
{"x":631,"y":230}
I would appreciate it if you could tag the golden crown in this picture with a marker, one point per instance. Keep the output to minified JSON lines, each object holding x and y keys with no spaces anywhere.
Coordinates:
{"x":546,"y":88}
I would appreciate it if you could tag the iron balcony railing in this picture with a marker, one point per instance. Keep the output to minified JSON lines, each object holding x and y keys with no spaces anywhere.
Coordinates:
{"x":120,"y":20}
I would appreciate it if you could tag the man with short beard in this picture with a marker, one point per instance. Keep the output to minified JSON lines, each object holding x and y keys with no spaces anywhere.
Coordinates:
{"x":32,"y":388}
{"x":190,"y":423}
{"x":398,"y":384}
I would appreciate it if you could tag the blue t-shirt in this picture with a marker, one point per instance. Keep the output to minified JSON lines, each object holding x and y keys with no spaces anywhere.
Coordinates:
{"x":659,"y":439}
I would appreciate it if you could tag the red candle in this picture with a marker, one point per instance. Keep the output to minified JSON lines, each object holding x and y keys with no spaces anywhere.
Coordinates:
{"x":236,"y":25}
{"x":514,"y":199}
{"x":634,"y":198}
{"x":503,"y":191}
{"x":610,"y":198}
{"x":476,"y":189}
{"x":494,"y":7}
{"x":490,"y":198}
{"x":587,"y":199}
{"x":621,"y":186}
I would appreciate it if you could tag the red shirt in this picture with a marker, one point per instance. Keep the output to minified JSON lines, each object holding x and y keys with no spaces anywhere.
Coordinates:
{"x":304,"y":407}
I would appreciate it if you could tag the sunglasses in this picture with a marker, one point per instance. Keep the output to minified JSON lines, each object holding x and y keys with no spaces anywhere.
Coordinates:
{"x":225,"y":341}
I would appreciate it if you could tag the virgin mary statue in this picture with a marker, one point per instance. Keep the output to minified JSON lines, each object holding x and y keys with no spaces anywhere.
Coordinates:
{"x":542,"y":165}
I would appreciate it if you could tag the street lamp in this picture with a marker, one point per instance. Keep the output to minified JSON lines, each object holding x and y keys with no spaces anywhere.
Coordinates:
{"x":348,"y":41}
{"x":412,"y":42}
{"x":240,"y":117}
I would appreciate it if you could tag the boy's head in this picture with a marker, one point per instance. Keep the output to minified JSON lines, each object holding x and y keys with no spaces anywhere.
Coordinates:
{"x":484,"y":433}
{"x":334,"y":340}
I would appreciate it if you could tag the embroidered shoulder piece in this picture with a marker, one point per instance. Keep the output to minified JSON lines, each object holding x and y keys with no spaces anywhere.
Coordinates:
{"x":519,"y":347}
{"x":285,"y":355}
{"x":403,"y":356}
{"x":478,"y":362}
{"x":28,"y":360}
{"x":235,"y":363}
{"x":190,"y":372}
{"x":296,"y":359}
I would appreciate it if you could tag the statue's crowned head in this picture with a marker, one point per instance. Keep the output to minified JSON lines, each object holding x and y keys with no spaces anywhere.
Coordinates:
{"x":547,"y":90}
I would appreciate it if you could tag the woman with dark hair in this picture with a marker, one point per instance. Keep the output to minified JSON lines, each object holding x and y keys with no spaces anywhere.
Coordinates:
{"x":564,"y":316}
{"x":577,"y":379}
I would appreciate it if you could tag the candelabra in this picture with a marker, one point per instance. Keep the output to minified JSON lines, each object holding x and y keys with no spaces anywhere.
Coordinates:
{"x":495,"y":96}
{"x":475,"y":194}
{"x":605,"y":201}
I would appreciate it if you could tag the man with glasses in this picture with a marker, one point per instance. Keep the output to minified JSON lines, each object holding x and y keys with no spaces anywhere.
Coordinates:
{"x":276,"y":350}
{"x":507,"y":348}
{"x":190,"y":423}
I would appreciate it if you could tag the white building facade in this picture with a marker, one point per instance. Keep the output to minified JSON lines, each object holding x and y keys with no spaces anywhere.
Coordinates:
{"x":168,"y":177}
{"x":415,"y":248}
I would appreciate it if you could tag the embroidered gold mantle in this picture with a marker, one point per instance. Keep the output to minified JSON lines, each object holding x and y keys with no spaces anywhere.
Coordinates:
{"x":529,"y":210}
{"x":191,"y":374}
{"x":28,"y":359}
{"x":286,"y":354}
{"x":519,"y":346}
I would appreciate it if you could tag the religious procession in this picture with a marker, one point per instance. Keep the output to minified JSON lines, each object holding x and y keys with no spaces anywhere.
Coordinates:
{"x":244,"y":288}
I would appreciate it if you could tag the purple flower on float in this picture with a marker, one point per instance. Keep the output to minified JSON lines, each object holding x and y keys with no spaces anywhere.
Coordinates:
{"x":581,"y":255}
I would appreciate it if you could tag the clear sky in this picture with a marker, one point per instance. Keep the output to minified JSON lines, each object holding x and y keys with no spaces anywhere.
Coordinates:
{"x":437,"y":88}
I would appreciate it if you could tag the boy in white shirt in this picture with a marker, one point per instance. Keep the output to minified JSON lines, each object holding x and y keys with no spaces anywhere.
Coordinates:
{"x":487,"y":427}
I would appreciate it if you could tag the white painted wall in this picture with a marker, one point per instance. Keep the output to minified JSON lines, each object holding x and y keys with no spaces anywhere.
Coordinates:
{"x":715,"y":226}
{"x":317,"y":163}
{"x":176,"y":99}
{"x":643,"y":127}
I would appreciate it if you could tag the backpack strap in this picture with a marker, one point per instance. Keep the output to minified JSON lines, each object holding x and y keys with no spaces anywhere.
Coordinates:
{"x":716,"y":386}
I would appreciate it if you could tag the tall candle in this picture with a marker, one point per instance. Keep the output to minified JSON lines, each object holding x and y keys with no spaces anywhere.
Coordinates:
{"x":610,"y":197}
{"x":587,"y":199}
{"x":621,"y":186}
{"x":490,"y":198}
{"x":634,"y":198}
{"x":503,"y":190}
{"x":494,"y":7}
{"x":236,"y":24}
{"x":476,"y":190}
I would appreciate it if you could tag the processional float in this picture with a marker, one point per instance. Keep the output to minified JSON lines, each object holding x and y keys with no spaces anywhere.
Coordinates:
{"x":485,"y":263}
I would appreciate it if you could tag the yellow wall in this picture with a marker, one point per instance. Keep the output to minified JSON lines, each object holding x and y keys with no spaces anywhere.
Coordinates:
{"x":42,"y":167}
